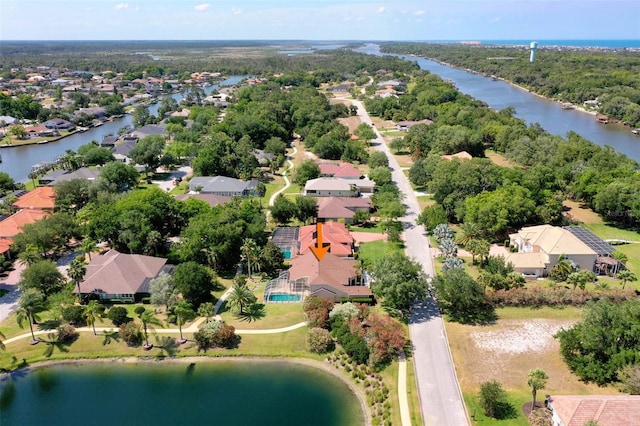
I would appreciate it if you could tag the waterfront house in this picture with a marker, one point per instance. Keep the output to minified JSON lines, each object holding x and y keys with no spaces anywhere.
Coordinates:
{"x":223,"y":185}
{"x":59,"y":124}
{"x":116,"y":276}
{"x":53,"y":179}
{"x":148,"y":130}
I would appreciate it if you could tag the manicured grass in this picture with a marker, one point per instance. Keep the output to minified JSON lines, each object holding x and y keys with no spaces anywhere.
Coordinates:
{"x":412,"y":394}
{"x":477,"y":416}
{"x":390,"y":377}
{"x":276,"y":315}
{"x":372,"y":227}
{"x":608,"y":232}
{"x":375,"y":250}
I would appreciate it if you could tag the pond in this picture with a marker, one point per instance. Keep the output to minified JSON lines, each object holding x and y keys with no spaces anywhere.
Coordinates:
{"x":224,"y":392}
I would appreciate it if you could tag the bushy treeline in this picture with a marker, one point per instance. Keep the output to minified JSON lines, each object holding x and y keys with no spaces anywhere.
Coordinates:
{"x":548,"y":168}
{"x":610,"y":76}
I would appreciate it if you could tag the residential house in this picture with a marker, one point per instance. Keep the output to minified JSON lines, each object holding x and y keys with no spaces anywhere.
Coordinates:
{"x":124,"y":277}
{"x":405,"y":126}
{"x":211,"y":199}
{"x":59,"y":124}
{"x":54,"y":178}
{"x":148,"y":130}
{"x":12,"y":226}
{"x":331,"y":277}
{"x":223,"y":185}
{"x":339,"y":170}
{"x":540,"y":247}
{"x":286,"y":238}
{"x":336,"y":234}
{"x":97,"y":113}
{"x":40,"y":131}
{"x":338,"y":187}
{"x":41,"y":198}
{"x":6,"y":120}
{"x":341,"y":208}
{"x":605,"y":410}
{"x":122,"y":150}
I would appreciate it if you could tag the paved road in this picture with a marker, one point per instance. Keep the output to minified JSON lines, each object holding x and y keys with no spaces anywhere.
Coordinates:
{"x":440,"y":396}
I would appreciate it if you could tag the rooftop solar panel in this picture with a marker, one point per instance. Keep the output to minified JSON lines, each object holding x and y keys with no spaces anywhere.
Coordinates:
{"x":594,"y":242}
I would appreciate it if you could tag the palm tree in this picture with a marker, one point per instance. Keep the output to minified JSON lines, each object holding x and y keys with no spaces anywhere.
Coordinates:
{"x":2,"y":336}
{"x":148,"y":319}
{"x":537,"y":380}
{"x":29,"y":256}
{"x":206,"y":310}
{"x":30,"y":303}
{"x":249,"y":250}
{"x":240,"y":297}
{"x":468,"y":231}
{"x":184,"y":312}
{"x":626,"y":276}
{"x":88,"y":246}
{"x":91,"y":312}
{"x":77,"y":271}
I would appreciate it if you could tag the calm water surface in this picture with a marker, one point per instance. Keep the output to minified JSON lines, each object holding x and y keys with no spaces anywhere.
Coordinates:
{"x":220,"y":393}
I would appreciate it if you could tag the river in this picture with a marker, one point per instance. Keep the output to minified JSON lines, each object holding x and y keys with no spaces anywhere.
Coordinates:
{"x":17,"y":161}
{"x":529,"y":107}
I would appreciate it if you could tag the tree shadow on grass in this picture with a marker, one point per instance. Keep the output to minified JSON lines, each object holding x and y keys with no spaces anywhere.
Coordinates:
{"x":168,"y":346}
{"x":53,"y":343}
{"x":49,"y":324}
{"x":254,"y":312}
{"x":110,"y":336}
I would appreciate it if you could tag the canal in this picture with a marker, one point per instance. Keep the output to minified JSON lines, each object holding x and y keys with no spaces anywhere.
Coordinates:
{"x":17,"y":161}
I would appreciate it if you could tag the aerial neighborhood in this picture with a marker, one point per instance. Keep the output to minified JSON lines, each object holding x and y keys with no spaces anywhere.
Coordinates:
{"x":351,"y":211}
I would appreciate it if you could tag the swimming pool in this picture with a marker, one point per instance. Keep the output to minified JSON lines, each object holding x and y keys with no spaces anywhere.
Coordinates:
{"x":284,"y":297}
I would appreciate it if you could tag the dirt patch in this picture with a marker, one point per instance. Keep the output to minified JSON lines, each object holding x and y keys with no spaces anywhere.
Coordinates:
{"x":499,"y":159}
{"x":518,"y":336}
{"x":580,"y":214}
{"x":366,"y":237}
{"x":351,"y":122}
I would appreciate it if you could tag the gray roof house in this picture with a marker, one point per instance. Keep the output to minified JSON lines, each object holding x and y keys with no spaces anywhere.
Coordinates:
{"x":148,"y":130}
{"x":223,"y":185}
{"x":329,"y":186}
{"x":58,"y":176}
{"x":121,"y":150}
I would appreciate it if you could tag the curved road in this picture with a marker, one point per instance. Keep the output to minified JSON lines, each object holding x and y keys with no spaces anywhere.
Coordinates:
{"x":440,"y":396}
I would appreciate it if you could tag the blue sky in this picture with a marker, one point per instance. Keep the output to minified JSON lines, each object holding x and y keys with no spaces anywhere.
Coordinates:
{"x":319,"y":19}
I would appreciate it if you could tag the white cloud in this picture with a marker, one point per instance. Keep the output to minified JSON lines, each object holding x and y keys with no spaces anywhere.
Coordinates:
{"x":236,"y":11}
{"x":420,"y":12}
{"x":496,"y":19}
{"x":201,"y":7}
{"x":381,"y":9}
{"x":121,"y":6}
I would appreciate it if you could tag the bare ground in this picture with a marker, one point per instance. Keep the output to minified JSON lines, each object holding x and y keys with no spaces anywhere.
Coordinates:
{"x":581,"y":214}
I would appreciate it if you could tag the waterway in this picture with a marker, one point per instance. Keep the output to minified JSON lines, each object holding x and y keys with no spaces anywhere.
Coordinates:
{"x":262,"y":393}
{"x":499,"y":95}
{"x":17,"y":161}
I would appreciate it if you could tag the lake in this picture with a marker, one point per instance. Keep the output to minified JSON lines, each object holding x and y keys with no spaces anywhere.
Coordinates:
{"x":224,"y":392}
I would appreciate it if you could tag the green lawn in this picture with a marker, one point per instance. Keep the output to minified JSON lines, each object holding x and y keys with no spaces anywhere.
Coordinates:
{"x":373,"y":251}
{"x":477,"y":416}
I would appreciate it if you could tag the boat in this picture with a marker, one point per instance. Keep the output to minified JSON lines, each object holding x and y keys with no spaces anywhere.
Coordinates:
{"x":634,"y":131}
{"x":567,"y":106}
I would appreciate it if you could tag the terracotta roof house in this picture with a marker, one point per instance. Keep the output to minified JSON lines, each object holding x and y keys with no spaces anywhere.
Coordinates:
{"x":41,"y":198}
{"x":119,"y":276}
{"x":340,"y":170}
{"x":211,"y":199}
{"x":223,"y":185}
{"x":606,"y":410}
{"x":462,"y":155}
{"x":12,"y":226}
{"x":341,"y":208}
{"x":40,"y":132}
{"x":341,"y":243}
{"x":333,"y":277}
{"x":539,"y":248}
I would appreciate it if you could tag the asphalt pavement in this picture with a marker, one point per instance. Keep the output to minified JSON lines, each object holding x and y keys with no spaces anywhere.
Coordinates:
{"x":440,"y":396}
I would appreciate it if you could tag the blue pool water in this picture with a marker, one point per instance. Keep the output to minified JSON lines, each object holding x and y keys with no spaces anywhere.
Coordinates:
{"x":284,"y":297}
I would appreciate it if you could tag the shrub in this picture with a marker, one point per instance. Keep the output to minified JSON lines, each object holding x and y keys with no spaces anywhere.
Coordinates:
{"x":225,"y":337}
{"x":215,"y":334}
{"x":146,"y":300}
{"x":139,"y":310}
{"x":74,"y":315}
{"x":313,"y":302}
{"x":319,"y":340}
{"x":118,"y":315}
{"x":356,"y":348}
{"x":67,"y":334}
{"x":493,"y":399}
{"x":130,"y":333}
{"x":318,"y":318}
{"x":345,"y":310}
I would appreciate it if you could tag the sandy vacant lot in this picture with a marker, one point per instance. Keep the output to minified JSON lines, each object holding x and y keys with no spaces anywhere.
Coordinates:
{"x":507,"y":350}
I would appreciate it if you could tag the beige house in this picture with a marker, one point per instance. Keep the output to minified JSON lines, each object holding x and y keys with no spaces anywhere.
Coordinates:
{"x":540,"y":247}
{"x":606,"y":410}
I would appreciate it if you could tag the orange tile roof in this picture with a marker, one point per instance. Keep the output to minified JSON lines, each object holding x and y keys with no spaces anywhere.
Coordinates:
{"x":607,"y":410}
{"x":12,"y":226}
{"x":42,"y":197}
{"x":335,"y":233}
{"x":5,"y":245}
